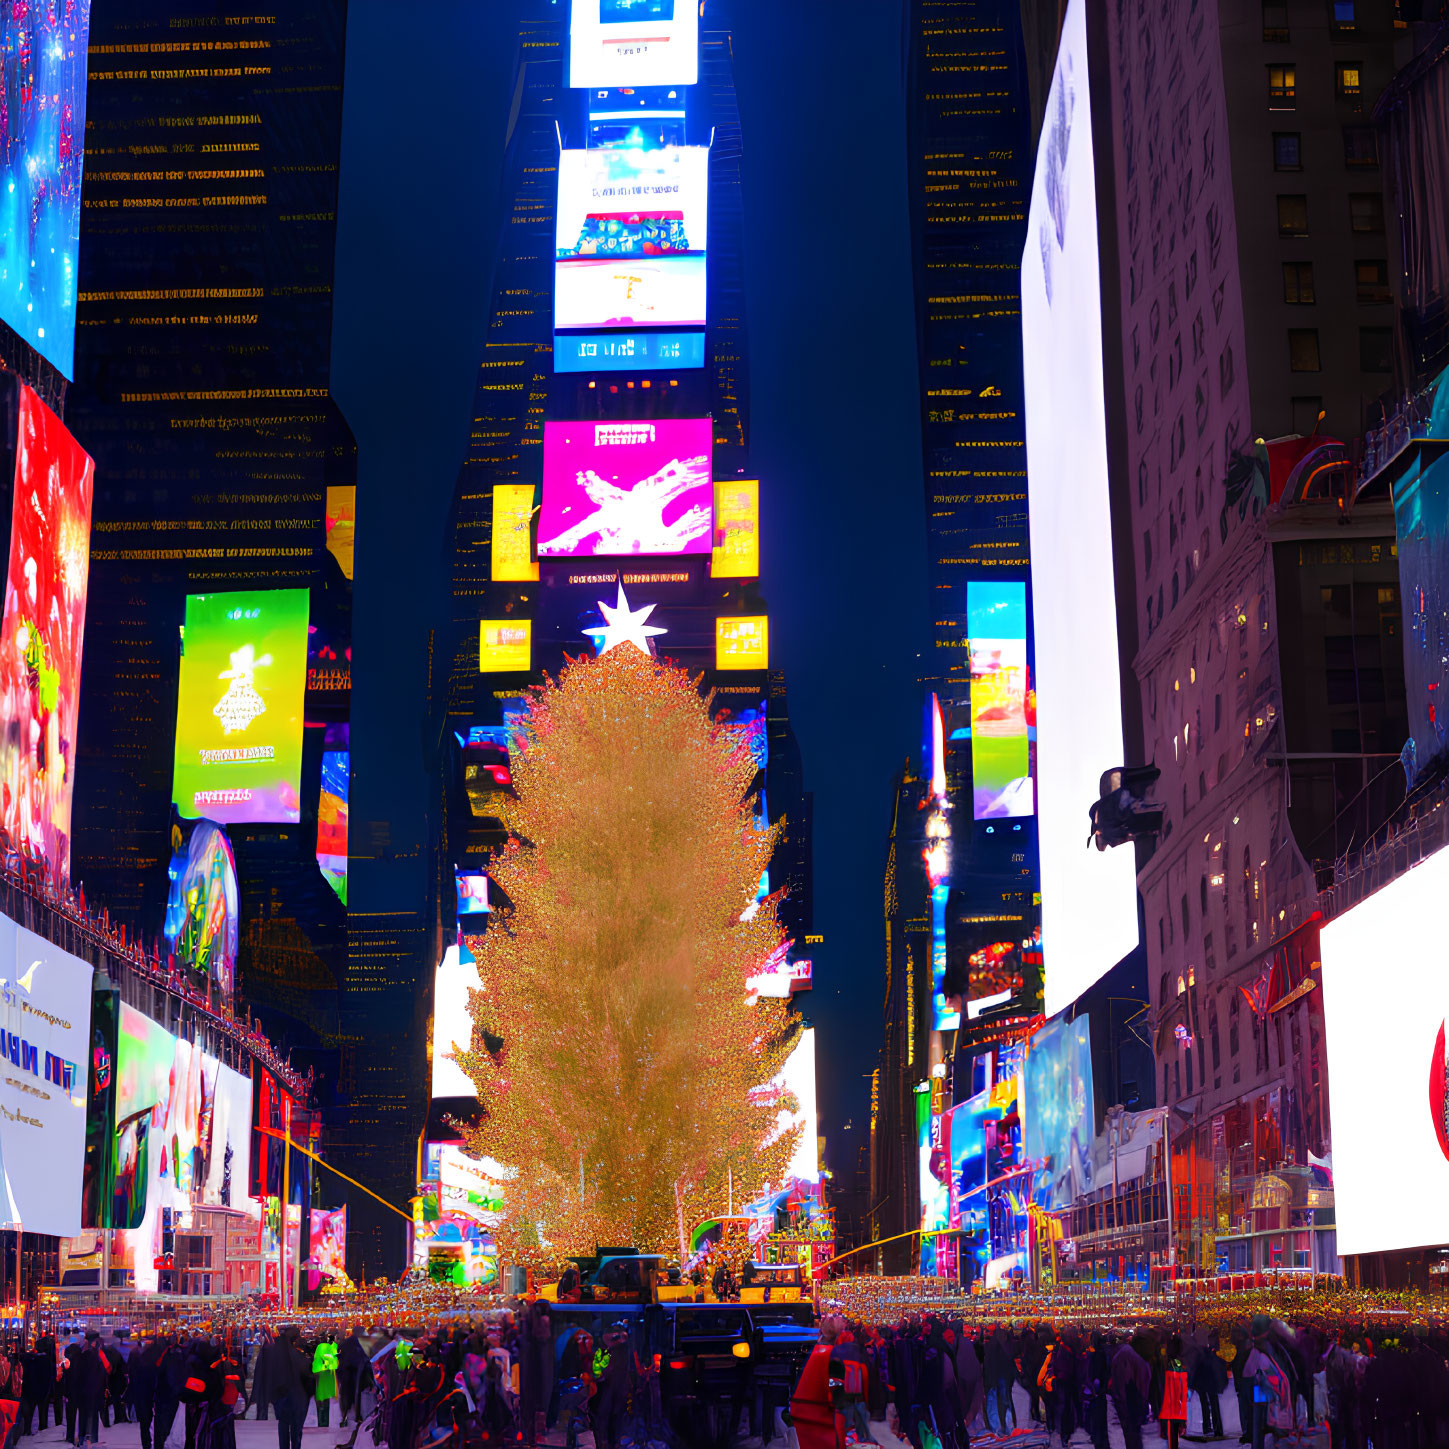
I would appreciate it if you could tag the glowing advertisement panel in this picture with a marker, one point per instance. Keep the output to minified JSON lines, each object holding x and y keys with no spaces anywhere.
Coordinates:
{"x":239,"y":706}
{"x":1385,"y":1001}
{"x":742,"y":643}
{"x":628,"y":351}
{"x":505,"y":646}
{"x":615,"y":489}
{"x":630,"y":240}
{"x":332,"y":820}
{"x":1000,"y":748}
{"x":43,"y":50}
{"x":512,"y":558}
{"x":327,"y":1257}
{"x":43,"y":632}
{"x":452,"y":1025}
{"x":943,"y":1018}
{"x":631,"y":43}
{"x":736,"y":530}
{"x":45,"y":1027}
{"x":1058,"y":1112}
{"x":1089,"y":898}
{"x":342,"y":526}
{"x":183,"y":1138}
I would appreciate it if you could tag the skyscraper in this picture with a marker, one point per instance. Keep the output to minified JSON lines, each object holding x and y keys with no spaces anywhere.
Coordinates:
{"x":222,"y":463}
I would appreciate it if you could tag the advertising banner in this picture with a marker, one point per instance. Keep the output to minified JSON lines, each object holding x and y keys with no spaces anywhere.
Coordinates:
{"x":239,"y":706}
{"x":452,"y":1024}
{"x":45,"y":1023}
{"x":505,"y":646}
{"x":628,"y":43}
{"x":1058,"y":1112}
{"x":631,"y":238}
{"x":43,"y":50}
{"x":736,"y":530}
{"x":43,"y":630}
{"x":332,"y":820}
{"x":742,"y":643}
{"x":1000,"y":713}
{"x":183,"y":1128}
{"x":342,"y":525}
{"x":512,"y":546}
{"x":328,"y":1255}
{"x":627,"y":352}
{"x":614,"y":489}
{"x":202,"y":921}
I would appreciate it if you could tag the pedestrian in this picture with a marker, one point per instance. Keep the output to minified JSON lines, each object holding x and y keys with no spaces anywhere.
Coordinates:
{"x":613,"y":1372}
{"x":12,"y":1386}
{"x":286,"y":1384}
{"x":1129,"y":1382}
{"x":1029,"y":1358}
{"x":1095,"y":1369}
{"x":39,"y":1368}
{"x":324,"y":1370}
{"x":70,"y":1378}
{"x":1173,"y":1417}
{"x":259,"y":1392}
{"x":353,"y":1372}
{"x":1273,"y":1408}
{"x":1207,"y":1378}
{"x":970,"y":1382}
{"x":1000,"y":1373}
{"x":94,"y":1370}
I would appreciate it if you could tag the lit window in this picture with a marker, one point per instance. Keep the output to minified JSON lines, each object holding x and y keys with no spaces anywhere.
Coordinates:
{"x":1282,"y":87}
{"x":1292,"y":216}
{"x":1275,"y":20}
{"x":1349,"y":86}
{"x":1342,"y":19}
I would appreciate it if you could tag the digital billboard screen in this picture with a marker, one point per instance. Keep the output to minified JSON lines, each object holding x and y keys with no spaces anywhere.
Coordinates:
{"x":452,"y":1025}
{"x":1058,"y":1111}
{"x":630,"y":43}
{"x":332,"y":820}
{"x":1001,"y":708}
{"x":617,"y":489}
{"x":43,"y":48}
{"x":505,"y":646}
{"x":742,"y":643}
{"x":1385,"y":1004}
{"x":627,"y":351}
{"x":239,"y":707}
{"x":511,"y":549}
{"x":45,"y":1029}
{"x":1088,"y":898}
{"x":44,"y":631}
{"x":736,"y":529}
{"x":327,"y":1256}
{"x":632,"y":230}
{"x":342,"y":525}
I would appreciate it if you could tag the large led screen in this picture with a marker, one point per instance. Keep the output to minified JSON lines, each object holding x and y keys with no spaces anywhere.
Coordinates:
{"x":628,"y":351}
{"x":43,"y":632}
{"x":452,"y":1024}
{"x":43,"y":49}
{"x":1385,"y":1003}
{"x":633,"y":43}
{"x":45,"y":1026}
{"x":631,"y":237}
{"x":239,"y":706}
{"x":332,"y":820}
{"x":1000,"y":700}
{"x":627,"y":488}
{"x":1088,"y":898}
{"x":183,"y":1138}
{"x":511,"y":550}
{"x":1058,"y":1113}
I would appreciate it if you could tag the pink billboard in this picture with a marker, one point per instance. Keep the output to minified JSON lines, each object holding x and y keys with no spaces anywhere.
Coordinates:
{"x":627,"y":488}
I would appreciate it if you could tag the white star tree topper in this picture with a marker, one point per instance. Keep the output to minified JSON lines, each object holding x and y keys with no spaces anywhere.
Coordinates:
{"x":623,"y":625}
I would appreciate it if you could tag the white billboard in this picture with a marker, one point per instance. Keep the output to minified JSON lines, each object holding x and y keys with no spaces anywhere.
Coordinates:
{"x":1385,"y":999}
{"x":797,"y":1077}
{"x":45,"y":1026}
{"x":631,"y":235}
{"x":1088,"y":899}
{"x":634,"y":43}
{"x":452,"y":1025}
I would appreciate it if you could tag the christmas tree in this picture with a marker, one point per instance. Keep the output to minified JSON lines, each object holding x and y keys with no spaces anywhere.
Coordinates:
{"x":623,"y":1068}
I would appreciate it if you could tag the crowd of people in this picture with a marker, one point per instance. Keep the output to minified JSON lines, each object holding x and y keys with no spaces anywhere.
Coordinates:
{"x":937,"y":1380}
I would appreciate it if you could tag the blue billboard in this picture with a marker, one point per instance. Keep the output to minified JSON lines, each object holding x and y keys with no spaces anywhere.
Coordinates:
{"x":1058,"y":1115}
{"x":628,"y":351}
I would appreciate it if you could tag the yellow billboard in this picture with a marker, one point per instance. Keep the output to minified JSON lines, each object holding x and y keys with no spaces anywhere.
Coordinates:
{"x":513,"y":560}
{"x":505,"y":646}
{"x":736,"y":530}
{"x":742,"y":642}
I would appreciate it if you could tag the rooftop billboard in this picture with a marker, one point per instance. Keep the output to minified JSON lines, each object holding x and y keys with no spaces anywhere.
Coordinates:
{"x":631,"y":43}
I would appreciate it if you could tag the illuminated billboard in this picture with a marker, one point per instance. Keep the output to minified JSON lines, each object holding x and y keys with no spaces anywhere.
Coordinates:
{"x":505,"y":646}
{"x":202,"y":921}
{"x":332,"y":820}
{"x":512,"y":558}
{"x":45,"y":1027}
{"x":342,"y":526}
{"x":736,"y":530}
{"x":616,"y":489}
{"x":327,"y":1255}
{"x":631,"y":238}
{"x":742,"y":643}
{"x":1088,"y":898}
{"x":627,"y":351}
{"x":1001,"y":708}
{"x":239,"y":707}
{"x":1385,"y":1003}
{"x":43,"y":50}
{"x":1058,"y":1112}
{"x":43,"y":630}
{"x":627,"y":43}
{"x":183,"y":1139}
{"x":452,"y":1025}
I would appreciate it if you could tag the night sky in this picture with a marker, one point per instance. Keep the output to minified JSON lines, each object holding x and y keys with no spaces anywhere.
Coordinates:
{"x":835,"y":435}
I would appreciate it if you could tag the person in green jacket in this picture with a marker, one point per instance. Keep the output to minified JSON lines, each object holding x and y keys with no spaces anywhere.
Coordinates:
{"x":324,"y":1368}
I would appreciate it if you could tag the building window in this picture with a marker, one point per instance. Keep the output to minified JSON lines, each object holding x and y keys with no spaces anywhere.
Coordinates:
{"x":1298,"y":283}
{"x":1342,"y":20}
{"x":1349,"y":85}
{"x":1366,"y":212}
{"x":1307,"y":412}
{"x":1233,"y":1024}
{"x":1360,"y":147}
{"x":1292,"y":216}
{"x":1287,"y":151}
{"x":1376,"y":349}
{"x":1282,"y":84}
{"x":1275,"y":20}
{"x":1372,"y":279}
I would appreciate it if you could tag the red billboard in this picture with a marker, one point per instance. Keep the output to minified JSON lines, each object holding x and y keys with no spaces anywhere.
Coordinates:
{"x":43,"y":632}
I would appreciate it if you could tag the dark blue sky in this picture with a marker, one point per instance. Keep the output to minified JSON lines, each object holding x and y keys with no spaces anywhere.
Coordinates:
{"x":835,"y":437}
